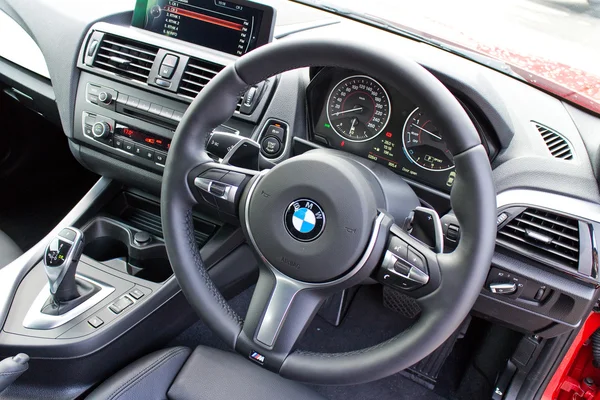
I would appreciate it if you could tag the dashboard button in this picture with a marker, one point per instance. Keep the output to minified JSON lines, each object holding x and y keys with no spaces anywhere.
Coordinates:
{"x":166,"y":112}
{"x":162,"y":82}
{"x":128,"y":146}
{"x":170,"y":60}
{"x":133,"y":101}
{"x":88,"y":130}
{"x":92,"y":98}
{"x":166,"y":71}
{"x":122,"y":98}
{"x":177,"y":116}
{"x":148,"y":154}
{"x":93,"y":90}
{"x":118,"y":142}
{"x":271,"y":146}
{"x":155,"y":108}
{"x":139,"y":150}
{"x":136,"y":294}
{"x":89,"y":119}
{"x":143,"y":105}
{"x":95,"y":322}
{"x":277,"y":131}
{"x":160,"y":157}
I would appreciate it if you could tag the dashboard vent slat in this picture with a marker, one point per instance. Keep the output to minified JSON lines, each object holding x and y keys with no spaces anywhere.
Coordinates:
{"x":547,"y":237}
{"x":196,"y":75}
{"x":557,"y":144}
{"x":125,"y":57}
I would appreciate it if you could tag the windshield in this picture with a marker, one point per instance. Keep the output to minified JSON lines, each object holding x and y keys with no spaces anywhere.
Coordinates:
{"x":552,"y":44}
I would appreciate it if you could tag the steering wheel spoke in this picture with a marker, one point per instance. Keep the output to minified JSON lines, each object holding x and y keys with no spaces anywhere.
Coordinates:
{"x":280,"y":310}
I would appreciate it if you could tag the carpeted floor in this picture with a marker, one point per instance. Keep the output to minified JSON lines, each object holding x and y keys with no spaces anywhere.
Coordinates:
{"x":366,"y":324}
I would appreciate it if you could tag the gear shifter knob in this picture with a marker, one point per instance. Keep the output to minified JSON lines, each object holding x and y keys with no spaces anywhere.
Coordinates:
{"x":60,"y":261}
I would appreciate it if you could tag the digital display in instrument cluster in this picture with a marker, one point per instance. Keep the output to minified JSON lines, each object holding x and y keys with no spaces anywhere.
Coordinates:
{"x":362,"y":116}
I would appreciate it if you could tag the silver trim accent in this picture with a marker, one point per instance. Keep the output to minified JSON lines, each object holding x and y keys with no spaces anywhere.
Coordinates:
{"x":437,"y":224}
{"x":503,"y":288}
{"x":35,"y":319}
{"x":205,"y":185}
{"x":12,"y":274}
{"x":575,"y":208}
{"x":239,"y":144}
{"x":275,"y":314}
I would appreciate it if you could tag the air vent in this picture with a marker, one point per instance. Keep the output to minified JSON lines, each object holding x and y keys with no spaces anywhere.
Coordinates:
{"x":124,"y":57}
{"x":547,"y":237}
{"x":558,"y":146}
{"x":197,"y":74}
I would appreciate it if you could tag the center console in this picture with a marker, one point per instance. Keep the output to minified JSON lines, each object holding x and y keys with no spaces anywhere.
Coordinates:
{"x":135,"y":84}
{"x":137,"y":81}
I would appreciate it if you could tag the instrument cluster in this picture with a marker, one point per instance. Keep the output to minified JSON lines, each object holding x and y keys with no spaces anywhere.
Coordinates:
{"x":353,"y":112}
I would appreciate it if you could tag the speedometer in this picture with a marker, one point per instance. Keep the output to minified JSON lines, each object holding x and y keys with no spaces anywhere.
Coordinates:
{"x":358,"y":108}
{"x":424,"y":144}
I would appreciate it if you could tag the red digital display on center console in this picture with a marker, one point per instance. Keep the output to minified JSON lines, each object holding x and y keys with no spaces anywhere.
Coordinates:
{"x":145,"y":138}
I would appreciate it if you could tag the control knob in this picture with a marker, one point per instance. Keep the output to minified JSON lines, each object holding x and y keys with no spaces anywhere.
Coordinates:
{"x":105,"y":98}
{"x":101,"y":129}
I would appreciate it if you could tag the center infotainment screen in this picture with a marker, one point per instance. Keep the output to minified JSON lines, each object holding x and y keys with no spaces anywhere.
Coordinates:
{"x":234,"y":27}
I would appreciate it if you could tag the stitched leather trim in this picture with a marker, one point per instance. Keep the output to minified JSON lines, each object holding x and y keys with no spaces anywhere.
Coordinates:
{"x":137,"y":378}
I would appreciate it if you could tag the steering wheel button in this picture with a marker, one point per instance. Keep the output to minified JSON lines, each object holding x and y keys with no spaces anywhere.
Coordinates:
{"x":398,"y":247}
{"x":402,"y":268}
{"x":218,"y":189}
{"x":416,"y":259}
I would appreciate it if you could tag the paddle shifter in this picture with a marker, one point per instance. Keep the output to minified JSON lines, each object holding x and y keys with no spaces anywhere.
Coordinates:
{"x":60,"y":261}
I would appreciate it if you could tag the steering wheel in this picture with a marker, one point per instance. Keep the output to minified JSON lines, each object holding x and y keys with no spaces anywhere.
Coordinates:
{"x":318,"y":222}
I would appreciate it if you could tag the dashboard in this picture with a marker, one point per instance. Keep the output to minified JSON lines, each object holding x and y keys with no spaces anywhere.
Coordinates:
{"x":119,"y":88}
{"x":356,"y":113}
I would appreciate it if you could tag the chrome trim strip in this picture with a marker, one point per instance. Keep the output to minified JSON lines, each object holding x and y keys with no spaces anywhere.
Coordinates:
{"x":437,"y":223}
{"x":12,"y":274}
{"x":576,"y":208}
{"x":35,"y":319}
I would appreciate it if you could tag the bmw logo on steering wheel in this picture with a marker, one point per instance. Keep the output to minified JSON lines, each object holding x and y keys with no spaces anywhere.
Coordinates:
{"x":304,"y":220}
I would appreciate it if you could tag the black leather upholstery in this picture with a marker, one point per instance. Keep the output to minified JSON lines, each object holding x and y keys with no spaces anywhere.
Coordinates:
{"x":9,"y":250}
{"x":206,"y":374}
{"x":149,"y":378}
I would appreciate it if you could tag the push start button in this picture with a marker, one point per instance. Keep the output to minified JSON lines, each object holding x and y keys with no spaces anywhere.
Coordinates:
{"x":271,"y":146}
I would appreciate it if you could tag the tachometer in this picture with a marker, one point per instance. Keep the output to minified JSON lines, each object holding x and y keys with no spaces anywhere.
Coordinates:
{"x":424,"y":144}
{"x":358,"y":108}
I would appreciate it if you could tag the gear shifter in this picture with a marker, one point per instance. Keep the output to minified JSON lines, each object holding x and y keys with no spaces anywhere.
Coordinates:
{"x":60,"y":261}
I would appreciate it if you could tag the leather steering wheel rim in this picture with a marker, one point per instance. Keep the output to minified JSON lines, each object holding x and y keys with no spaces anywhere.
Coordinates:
{"x":473,"y":197}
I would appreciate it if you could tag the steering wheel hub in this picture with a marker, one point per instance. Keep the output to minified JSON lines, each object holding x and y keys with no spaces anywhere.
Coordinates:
{"x":311,"y":217}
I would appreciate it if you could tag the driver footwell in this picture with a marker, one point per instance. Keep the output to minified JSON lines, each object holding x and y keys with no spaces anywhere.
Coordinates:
{"x":368,"y":323}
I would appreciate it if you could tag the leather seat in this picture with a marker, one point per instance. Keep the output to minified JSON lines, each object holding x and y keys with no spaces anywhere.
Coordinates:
{"x":9,"y":251}
{"x":206,"y":374}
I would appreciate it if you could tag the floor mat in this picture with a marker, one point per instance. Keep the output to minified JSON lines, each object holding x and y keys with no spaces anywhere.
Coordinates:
{"x":366,"y":324}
